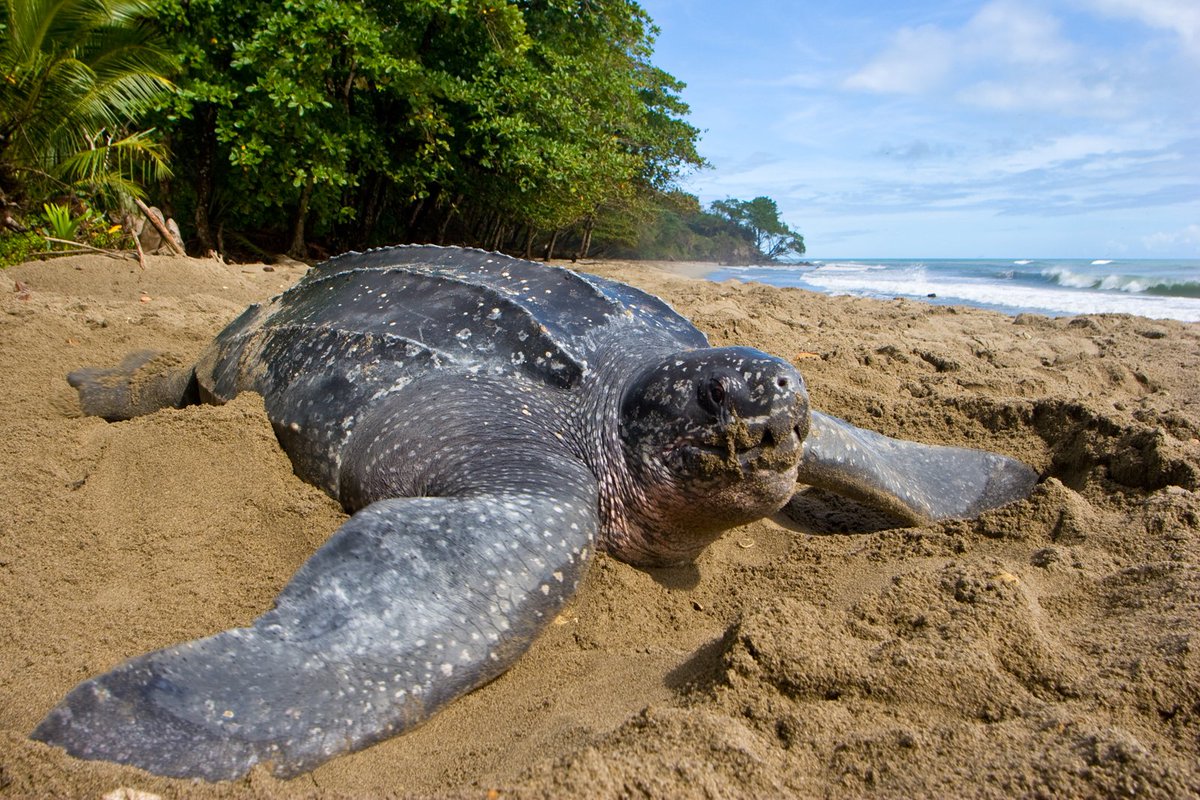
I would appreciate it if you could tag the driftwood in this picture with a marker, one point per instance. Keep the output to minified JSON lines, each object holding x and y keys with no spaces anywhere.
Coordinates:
{"x":86,"y":248}
{"x":162,"y":229}
{"x":127,"y":223}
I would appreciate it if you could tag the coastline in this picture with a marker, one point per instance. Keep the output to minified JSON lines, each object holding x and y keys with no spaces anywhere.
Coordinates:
{"x":696,"y":270}
{"x":1155,"y":288}
{"x":1048,"y":647}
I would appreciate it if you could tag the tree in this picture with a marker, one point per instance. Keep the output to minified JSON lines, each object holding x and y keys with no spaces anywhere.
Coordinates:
{"x":634,"y":142}
{"x":74,"y":77}
{"x":315,"y":116}
{"x":671,"y":225}
{"x":575,"y":127}
{"x":760,"y":216}
{"x":494,"y":122}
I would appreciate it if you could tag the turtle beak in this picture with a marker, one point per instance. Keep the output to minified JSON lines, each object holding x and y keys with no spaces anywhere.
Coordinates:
{"x":786,"y":428}
{"x":799,"y":416}
{"x":775,"y":411}
{"x":783,"y":430}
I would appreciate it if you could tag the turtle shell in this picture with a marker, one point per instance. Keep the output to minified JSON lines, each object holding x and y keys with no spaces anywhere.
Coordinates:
{"x":363,"y":325}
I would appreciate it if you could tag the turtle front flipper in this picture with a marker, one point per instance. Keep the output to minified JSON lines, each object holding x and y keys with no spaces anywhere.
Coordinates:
{"x":411,"y":603}
{"x":917,"y":483}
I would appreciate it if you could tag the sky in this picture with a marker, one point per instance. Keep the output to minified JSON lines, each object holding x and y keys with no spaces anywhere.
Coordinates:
{"x":970,"y":129}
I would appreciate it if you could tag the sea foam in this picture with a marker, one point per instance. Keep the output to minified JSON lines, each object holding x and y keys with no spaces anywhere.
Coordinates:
{"x":1172,"y":292}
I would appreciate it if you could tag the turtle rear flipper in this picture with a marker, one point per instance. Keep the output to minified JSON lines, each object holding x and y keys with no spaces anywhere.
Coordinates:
{"x":141,"y":384}
{"x":917,"y":483}
{"x":410,"y":604}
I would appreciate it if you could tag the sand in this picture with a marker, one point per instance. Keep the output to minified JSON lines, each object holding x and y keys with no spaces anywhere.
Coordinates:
{"x":1051,"y":648}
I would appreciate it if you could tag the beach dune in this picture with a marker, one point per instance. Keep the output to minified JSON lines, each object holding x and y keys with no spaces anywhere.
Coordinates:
{"x":1050,"y":648}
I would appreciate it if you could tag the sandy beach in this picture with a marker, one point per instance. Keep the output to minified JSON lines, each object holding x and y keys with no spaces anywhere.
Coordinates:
{"x":1050,"y":648}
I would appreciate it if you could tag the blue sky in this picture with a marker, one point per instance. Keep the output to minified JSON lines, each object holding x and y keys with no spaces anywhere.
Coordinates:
{"x":1010,"y":128}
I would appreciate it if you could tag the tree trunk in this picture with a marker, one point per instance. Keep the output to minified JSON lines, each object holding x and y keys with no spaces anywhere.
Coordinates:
{"x":479,"y":235}
{"x":206,"y":145}
{"x":166,"y":190}
{"x":371,"y":197}
{"x":417,"y":208}
{"x":585,"y":241}
{"x":550,"y":247}
{"x":298,"y":250}
{"x":530,"y":232}
{"x":441,"y":234}
{"x":492,"y":230}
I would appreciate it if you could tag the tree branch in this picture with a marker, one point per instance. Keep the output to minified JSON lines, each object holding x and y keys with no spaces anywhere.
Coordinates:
{"x":119,"y":254}
{"x":168,"y":237}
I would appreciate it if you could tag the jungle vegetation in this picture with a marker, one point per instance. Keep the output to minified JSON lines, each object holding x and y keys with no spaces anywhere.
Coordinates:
{"x":537,"y":127}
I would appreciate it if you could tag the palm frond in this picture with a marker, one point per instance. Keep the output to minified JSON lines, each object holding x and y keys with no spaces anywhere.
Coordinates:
{"x":114,"y":163}
{"x":74,"y":77}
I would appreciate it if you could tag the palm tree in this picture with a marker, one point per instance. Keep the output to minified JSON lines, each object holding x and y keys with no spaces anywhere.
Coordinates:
{"x":74,"y":76}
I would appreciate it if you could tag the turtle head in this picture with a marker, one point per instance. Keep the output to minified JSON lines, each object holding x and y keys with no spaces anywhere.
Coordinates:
{"x":711,"y":439}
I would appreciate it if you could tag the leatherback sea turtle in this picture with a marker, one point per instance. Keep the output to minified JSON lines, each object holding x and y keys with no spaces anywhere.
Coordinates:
{"x":491,"y":423}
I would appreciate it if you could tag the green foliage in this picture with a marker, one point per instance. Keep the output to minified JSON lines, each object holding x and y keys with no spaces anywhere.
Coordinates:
{"x":74,"y":76}
{"x":673,"y":226}
{"x":595,"y":116}
{"x":111,"y":167}
{"x":16,"y":248}
{"x":366,"y":122}
{"x":760,"y":217}
{"x":87,"y":226}
{"x":57,"y":220}
{"x":502,"y":123}
{"x":62,"y":226}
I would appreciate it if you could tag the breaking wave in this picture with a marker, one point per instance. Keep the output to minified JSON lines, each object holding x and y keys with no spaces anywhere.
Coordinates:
{"x":1116,"y":282}
{"x":1158,"y":289}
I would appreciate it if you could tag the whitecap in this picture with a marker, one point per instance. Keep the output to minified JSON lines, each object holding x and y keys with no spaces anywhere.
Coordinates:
{"x":1085,"y":298}
{"x":1122,"y":283}
{"x":1071,"y":280}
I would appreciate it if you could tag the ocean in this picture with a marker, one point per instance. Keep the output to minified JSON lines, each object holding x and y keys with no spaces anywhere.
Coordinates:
{"x":1158,"y":288}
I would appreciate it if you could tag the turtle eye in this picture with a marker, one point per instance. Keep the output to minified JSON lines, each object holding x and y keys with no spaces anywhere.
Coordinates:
{"x":712,"y":396}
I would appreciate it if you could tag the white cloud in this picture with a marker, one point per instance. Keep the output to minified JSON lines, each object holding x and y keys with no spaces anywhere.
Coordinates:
{"x":1057,"y":93}
{"x":916,"y":150}
{"x":1179,"y":16}
{"x":1059,"y":150}
{"x":1026,"y":125}
{"x":1002,"y":34}
{"x":1010,"y":57}
{"x":1015,"y":34}
{"x":1164,"y":240}
{"x":918,"y":60}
